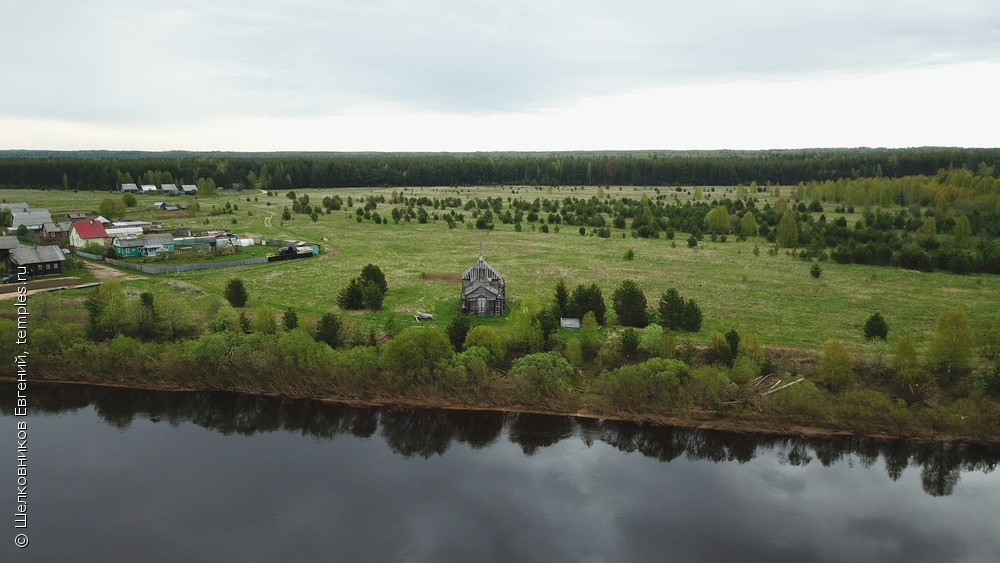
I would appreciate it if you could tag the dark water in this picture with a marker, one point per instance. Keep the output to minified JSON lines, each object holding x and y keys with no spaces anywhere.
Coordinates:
{"x":140,"y":476}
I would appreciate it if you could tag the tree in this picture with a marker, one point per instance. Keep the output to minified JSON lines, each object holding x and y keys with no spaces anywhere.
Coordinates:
{"x":590,"y":336}
{"x":630,"y":304}
{"x":587,"y":298}
{"x":129,"y":200}
{"x":836,"y":369}
{"x":457,"y":330}
{"x":671,"y":308}
{"x":951,"y":347}
{"x":717,"y":220}
{"x":876,"y":327}
{"x":562,"y":297}
{"x":630,"y":342}
{"x":372,"y":296}
{"x":236,"y":293}
{"x":962,"y":231}
{"x":351,"y":297}
{"x":112,"y":208}
{"x":816,"y":271}
{"x":328,"y":330}
{"x":373,"y":274}
{"x":290,"y":320}
{"x":788,"y":230}
{"x":692,"y":316}
{"x":748,"y":224}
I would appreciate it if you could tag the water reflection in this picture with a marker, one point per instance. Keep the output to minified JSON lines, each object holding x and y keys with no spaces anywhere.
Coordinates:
{"x":429,"y":433}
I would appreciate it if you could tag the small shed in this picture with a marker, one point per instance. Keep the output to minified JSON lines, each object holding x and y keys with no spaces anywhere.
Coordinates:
{"x":76,"y":216}
{"x":36,"y":260}
{"x":7,"y":244}
{"x":483,"y":291}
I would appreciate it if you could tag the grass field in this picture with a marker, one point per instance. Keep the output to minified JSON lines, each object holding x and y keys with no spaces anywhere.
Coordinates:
{"x":771,"y":296}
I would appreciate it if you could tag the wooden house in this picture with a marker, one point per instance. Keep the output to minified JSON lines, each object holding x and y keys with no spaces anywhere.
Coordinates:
{"x":483,"y":291}
{"x":169,"y":189}
{"x":32,"y":218}
{"x":83,"y":232}
{"x":36,"y":260}
{"x":149,"y":189}
{"x":189,"y":189}
{"x":56,"y":230}
{"x":155,"y":243}
{"x":127,"y":247}
{"x":130,"y":188}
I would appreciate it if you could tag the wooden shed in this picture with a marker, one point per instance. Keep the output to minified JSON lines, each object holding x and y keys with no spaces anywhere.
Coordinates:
{"x":483,"y":291}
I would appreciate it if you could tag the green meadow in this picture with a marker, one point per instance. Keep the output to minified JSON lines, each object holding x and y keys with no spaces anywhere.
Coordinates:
{"x":753,"y":292}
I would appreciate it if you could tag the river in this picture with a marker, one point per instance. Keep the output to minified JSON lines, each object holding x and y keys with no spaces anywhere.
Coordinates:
{"x":123,"y":475}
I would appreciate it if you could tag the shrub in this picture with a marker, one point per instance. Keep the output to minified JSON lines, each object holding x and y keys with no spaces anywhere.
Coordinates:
{"x":541,"y":377}
{"x":489,"y":339}
{"x":816,"y":271}
{"x":649,"y":339}
{"x":876,"y":327}
{"x":412,"y":355}
{"x":644,"y":385}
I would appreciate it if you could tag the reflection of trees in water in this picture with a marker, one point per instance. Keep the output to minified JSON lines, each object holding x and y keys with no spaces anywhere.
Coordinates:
{"x":428,"y":432}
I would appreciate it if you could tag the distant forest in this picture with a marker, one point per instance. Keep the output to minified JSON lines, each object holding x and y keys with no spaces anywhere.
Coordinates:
{"x":106,"y":170}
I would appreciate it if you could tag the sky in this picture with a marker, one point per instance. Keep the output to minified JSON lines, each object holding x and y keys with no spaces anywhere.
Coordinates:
{"x":469,"y":75}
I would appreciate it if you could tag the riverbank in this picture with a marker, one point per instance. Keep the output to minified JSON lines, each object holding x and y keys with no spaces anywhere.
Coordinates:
{"x":697,"y":419}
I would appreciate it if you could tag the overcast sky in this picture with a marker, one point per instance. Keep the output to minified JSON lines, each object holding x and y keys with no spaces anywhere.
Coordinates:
{"x":500,"y":75}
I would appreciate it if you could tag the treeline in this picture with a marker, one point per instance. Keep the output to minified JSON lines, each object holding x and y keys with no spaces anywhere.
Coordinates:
{"x":106,"y":170}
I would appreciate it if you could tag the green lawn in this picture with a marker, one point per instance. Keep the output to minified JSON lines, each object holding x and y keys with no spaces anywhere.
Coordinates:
{"x":772,"y":296}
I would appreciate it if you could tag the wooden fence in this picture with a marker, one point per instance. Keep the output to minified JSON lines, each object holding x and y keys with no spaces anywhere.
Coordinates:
{"x":174,"y":268}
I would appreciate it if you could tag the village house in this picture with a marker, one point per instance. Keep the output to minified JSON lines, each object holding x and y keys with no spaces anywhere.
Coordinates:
{"x":189,"y":189}
{"x":33,"y":218}
{"x":483,"y":292}
{"x":169,"y":189}
{"x":149,"y":189}
{"x":130,"y":188}
{"x":37,"y":260}
{"x":127,"y":247}
{"x":84,"y":232}
{"x":56,"y":230}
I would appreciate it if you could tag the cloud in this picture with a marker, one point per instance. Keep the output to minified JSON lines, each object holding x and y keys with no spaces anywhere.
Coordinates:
{"x":148,"y":62}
